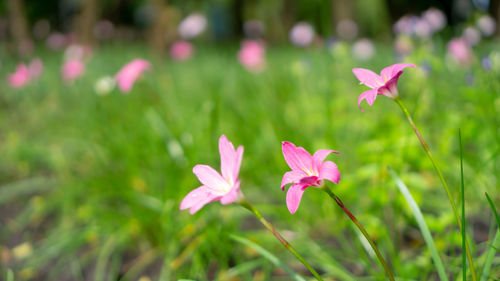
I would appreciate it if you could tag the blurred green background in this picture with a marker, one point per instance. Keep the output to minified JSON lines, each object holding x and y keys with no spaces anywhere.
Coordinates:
{"x":91,"y":181}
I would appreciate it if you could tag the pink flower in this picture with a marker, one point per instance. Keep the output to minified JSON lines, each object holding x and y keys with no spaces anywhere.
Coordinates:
{"x":20,"y":78}
{"x":181,"y":50}
{"x":460,"y":51}
{"x":126,"y":77}
{"x":306,"y":171}
{"x":216,"y":187}
{"x":251,"y":55}
{"x":72,"y":69}
{"x":385,"y":84}
{"x":35,"y":68}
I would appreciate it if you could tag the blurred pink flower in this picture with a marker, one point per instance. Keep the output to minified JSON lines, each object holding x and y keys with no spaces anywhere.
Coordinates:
{"x":306,"y":171}
{"x":385,"y":84}
{"x":436,"y":19}
{"x":251,"y":55}
{"x":35,"y":68}
{"x":72,"y":69}
{"x":126,"y":77}
{"x":181,"y":50}
{"x":216,"y":187}
{"x":460,"y":51}
{"x":20,"y":78}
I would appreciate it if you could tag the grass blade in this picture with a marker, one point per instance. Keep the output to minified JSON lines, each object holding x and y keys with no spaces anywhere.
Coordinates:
{"x":266,"y":254}
{"x":464,"y":262}
{"x":422,"y":225}
{"x":490,"y":254}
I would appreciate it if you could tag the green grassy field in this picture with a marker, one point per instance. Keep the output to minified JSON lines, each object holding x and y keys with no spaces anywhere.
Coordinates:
{"x":91,"y":185}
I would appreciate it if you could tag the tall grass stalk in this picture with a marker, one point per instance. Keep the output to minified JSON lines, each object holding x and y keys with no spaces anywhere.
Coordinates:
{"x":436,"y":258}
{"x":443,"y":181}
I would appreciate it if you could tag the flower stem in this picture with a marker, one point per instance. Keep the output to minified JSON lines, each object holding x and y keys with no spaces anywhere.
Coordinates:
{"x":246,"y":204}
{"x":362,"y":229}
{"x":436,"y":167}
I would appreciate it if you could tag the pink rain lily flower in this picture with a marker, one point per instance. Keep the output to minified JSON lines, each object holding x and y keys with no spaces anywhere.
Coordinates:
{"x":72,"y":69}
{"x":306,"y":171}
{"x":20,"y":78}
{"x":383,"y":84}
{"x":181,"y":50}
{"x":126,"y":77}
{"x":223,"y":187}
{"x":252,"y":55}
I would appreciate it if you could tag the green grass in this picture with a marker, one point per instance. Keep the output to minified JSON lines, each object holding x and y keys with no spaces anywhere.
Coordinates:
{"x":93,"y":183}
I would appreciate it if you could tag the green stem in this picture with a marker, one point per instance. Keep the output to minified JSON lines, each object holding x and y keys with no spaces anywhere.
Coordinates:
{"x":245,"y":203}
{"x":362,"y":229}
{"x":436,"y":167}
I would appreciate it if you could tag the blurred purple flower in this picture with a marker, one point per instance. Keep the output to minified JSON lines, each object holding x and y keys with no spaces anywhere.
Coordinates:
{"x":471,"y":35}
{"x":363,"y":49}
{"x":487,"y":25}
{"x":41,"y":29}
{"x":347,"y":29}
{"x":56,"y":41}
{"x":192,"y":26}
{"x":104,"y":30}
{"x":181,"y":50}
{"x":254,"y":28}
{"x":302,"y":34}
{"x":435,"y":18}
{"x":35,"y":68}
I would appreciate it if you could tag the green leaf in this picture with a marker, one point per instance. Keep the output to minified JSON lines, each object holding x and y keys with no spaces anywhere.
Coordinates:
{"x":421,"y":224}
{"x":490,"y":254}
{"x":266,"y":254}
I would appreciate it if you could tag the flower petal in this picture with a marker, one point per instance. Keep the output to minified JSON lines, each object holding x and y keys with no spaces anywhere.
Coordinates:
{"x":292,"y":177}
{"x":197,"y":198}
{"x":232,"y":195}
{"x":390,"y":88}
{"x":293,"y":197}
{"x":367,"y":77}
{"x":210,"y":177}
{"x":297,"y":157}
{"x":320,"y":155}
{"x":391,"y":71}
{"x":230,"y":159}
{"x":329,"y":171}
{"x":369,"y":96}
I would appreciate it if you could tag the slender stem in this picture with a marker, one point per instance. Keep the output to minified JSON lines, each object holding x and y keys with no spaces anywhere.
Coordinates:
{"x":436,"y":167}
{"x":245,"y":203}
{"x":362,"y":229}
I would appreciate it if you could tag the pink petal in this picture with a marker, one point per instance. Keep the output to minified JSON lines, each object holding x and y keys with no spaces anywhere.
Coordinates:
{"x":320,"y":155}
{"x":292,"y":177}
{"x":367,"y":77}
{"x":390,"y":88}
{"x":369,"y":96}
{"x":197,"y":198}
{"x":293,"y":197}
{"x":391,"y":71}
{"x":329,"y":171}
{"x":297,"y":157}
{"x":209,"y":177}
{"x":230,"y":160}
{"x":232,"y":195}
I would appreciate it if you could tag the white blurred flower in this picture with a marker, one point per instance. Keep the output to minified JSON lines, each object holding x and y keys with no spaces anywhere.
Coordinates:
{"x":77,"y":52}
{"x":487,"y":25}
{"x":104,"y":85}
{"x":302,"y":34}
{"x":347,"y":29}
{"x":192,"y":26}
{"x":363,"y":49}
{"x":471,"y":35}
{"x":435,"y":18}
